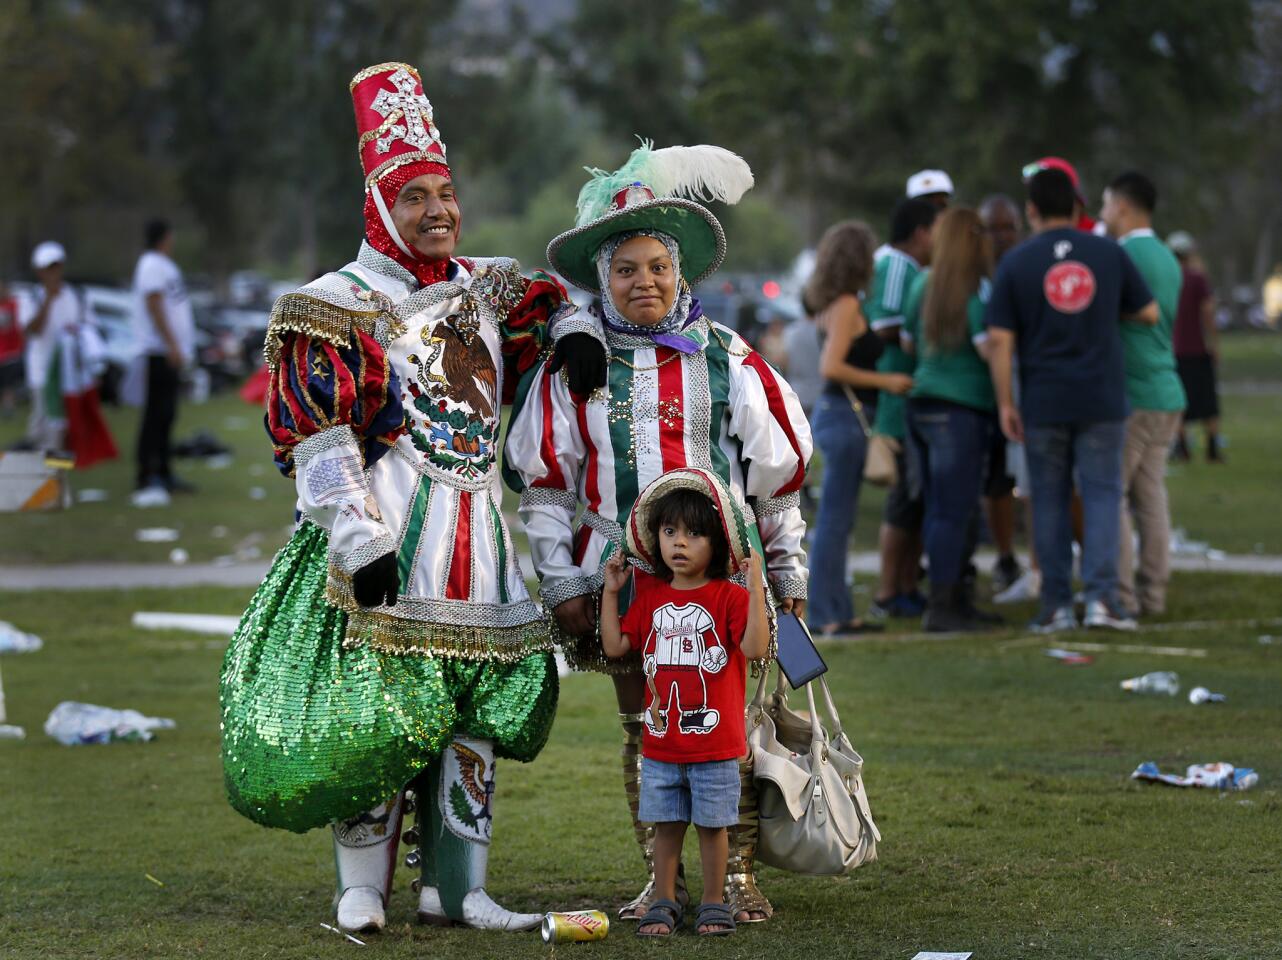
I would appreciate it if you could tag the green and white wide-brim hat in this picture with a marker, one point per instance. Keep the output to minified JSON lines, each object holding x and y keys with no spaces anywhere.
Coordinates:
{"x":654,"y":190}
{"x":734,"y":516}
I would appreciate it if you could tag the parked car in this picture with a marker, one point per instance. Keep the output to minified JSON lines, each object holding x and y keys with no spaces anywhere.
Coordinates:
{"x":232,"y":346}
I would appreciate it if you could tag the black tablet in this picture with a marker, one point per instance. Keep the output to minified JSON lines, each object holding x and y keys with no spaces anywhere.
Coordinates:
{"x":798,"y":658}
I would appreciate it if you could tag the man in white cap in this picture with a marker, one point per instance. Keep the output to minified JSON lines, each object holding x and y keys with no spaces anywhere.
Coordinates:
{"x":57,"y":310}
{"x":934,"y":186}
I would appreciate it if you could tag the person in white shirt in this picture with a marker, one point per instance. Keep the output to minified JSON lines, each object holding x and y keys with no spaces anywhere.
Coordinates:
{"x":57,"y":311}
{"x":166,"y":331}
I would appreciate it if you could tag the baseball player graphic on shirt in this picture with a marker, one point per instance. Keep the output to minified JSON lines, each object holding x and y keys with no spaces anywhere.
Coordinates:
{"x":682,"y":646}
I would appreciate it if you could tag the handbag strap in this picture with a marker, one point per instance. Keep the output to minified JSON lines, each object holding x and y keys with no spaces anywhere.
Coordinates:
{"x":832,"y":707}
{"x":818,"y":742}
{"x":857,"y":405}
{"x":759,"y":698}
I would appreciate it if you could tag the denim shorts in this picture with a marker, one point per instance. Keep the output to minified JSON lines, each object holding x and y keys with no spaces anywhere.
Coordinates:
{"x":705,"y":794}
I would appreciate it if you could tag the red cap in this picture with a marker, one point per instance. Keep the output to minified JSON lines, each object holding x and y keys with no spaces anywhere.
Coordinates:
{"x":1055,"y":163}
{"x":394,"y":120}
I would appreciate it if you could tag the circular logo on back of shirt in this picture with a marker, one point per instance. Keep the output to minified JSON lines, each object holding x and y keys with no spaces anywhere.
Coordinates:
{"x":1069,"y":286}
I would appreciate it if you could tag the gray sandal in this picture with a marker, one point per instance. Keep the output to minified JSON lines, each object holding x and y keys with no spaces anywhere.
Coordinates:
{"x":666,"y":913}
{"x":717,"y":916}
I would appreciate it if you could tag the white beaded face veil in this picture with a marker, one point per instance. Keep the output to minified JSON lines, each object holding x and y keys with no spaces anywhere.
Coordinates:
{"x":680,"y":310}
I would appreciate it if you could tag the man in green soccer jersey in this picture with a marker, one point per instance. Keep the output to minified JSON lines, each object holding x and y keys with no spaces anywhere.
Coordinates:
{"x":1155,"y":393}
{"x":896,"y":264}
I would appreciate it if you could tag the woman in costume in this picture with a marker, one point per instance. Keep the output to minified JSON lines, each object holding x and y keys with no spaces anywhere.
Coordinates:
{"x":682,"y":391}
{"x":393,"y":642}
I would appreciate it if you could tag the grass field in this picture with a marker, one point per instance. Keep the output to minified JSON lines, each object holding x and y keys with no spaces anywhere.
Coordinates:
{"x":999,"y":779}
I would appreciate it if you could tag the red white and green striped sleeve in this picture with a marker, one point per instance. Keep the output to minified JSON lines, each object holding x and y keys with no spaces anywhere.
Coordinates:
{"x":543,"y":459}
{"x":774,"y":436}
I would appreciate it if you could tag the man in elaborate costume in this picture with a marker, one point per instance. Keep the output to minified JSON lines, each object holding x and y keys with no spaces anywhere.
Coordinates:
{"x":393,"y":642}
{"x":682,"y":392}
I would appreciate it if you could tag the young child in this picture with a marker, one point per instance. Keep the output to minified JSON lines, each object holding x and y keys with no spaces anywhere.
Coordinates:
{"x":694,"y":629}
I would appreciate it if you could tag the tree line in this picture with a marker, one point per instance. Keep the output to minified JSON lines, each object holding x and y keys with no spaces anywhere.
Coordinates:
{"x":233,"y":119}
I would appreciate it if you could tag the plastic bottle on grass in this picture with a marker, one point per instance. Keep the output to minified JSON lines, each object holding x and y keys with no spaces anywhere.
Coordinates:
{"x":1160,"y":681}
{"x":74,"y":723}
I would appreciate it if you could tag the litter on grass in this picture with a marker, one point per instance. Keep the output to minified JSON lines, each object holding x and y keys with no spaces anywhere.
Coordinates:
{"x":156,"y":535}
{"x":13,"y":640}
{"x":1160,"y":681}
{"x":1203,"y":695}
{"x":159,"y":883}
{"x":1209,"y":776}
{"x":178,"y":556}
{"x":216,"y":624}
{"x":1070,"y":657}
{"x":347,"y":936}
{"x":73,"y":724}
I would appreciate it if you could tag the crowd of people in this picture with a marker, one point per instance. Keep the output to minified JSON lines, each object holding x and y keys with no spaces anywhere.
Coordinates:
{"x":967,"y":366}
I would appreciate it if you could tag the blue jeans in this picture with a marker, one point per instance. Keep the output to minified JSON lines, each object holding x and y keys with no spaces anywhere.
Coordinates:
{"x":1093,"y":453}
{"x":705,"y":794}
{"x":841,"y":440}
{"x":952,"y":444}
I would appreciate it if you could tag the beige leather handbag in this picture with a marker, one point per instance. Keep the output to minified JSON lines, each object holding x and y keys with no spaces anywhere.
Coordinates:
{"x":881,"y":468}
{"x":814,"y":810}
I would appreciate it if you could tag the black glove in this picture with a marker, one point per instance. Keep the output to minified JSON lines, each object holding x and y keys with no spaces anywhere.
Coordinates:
{"x":584,"y":360}
{"x":377,"y":582}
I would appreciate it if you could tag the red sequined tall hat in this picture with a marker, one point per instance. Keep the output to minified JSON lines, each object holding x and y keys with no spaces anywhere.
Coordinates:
{"x":398,"y":141}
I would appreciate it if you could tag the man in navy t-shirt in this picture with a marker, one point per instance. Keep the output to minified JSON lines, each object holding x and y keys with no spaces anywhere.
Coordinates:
{"x":1059,"y":299}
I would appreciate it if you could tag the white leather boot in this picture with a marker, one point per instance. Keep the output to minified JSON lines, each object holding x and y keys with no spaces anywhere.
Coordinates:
{"x":365,"y":849}
{"x":455,"y":805}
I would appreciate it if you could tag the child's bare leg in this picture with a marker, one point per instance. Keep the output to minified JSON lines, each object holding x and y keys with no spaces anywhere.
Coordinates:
{"x":714,"y":850}
{"x":668,"y":837}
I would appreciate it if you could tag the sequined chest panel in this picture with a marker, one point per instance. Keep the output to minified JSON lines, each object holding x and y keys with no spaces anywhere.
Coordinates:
{"x":448,"y":361}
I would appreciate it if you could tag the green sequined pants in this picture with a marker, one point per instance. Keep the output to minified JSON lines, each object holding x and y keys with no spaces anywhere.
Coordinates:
{"x":313,"y":733}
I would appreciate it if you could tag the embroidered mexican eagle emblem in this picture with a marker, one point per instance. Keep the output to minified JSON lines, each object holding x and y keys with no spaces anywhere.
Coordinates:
{"x":470,"y":794}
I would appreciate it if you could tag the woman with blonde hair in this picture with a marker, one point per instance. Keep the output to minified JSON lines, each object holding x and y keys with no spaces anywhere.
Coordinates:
{"x":843,"y":270}
{"x":951,"y":407}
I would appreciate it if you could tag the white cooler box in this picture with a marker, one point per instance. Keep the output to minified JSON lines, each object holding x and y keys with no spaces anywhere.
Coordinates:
{"x":30,"y":481}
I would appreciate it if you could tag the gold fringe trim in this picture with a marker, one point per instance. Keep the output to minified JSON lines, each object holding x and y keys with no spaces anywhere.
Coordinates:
{"x":395,"y":635}
{"x":413,"y":638}
{"x":303,"y":313}
{"x":584,"y":654}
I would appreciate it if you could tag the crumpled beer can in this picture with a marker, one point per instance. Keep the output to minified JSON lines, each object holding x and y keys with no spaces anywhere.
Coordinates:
{"x":583,"y":925}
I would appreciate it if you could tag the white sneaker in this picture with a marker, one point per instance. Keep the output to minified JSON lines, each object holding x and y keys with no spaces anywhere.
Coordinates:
{"x":1099,"y":615}
{"x":1059,"y":621}
{"x":1027,"y":587}
{"x":479,"y":912}
{"x":150,"y":497}
{"x":361,"y":908}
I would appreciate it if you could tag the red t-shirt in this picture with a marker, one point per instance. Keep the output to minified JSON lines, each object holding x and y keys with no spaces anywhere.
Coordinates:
{"x":690,"y":648}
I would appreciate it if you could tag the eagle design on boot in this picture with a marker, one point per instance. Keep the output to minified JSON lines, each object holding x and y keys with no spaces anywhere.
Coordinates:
{"x":471,"y":795}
